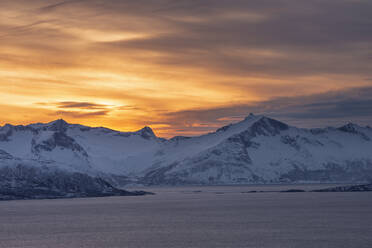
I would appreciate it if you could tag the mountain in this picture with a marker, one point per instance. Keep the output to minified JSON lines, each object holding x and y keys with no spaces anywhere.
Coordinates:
{"x":28,"y":182}
{"x":256,"y":150}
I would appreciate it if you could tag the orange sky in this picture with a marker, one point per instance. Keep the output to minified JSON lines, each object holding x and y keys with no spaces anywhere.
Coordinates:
{"x":126,"y":64}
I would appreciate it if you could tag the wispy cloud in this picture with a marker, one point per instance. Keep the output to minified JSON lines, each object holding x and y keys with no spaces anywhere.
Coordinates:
{"x":54,"y":6}
{"x":78,"y":114}
{"x":179,"y":64}
{"x":81,"y":105}
{"x":77,"y":105}
{"x":317,"y":110}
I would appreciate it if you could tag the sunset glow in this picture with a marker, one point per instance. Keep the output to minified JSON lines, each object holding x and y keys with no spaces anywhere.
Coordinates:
{"x":179,"y":66}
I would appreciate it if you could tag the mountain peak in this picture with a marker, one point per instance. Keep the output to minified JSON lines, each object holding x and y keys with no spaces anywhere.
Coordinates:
{"x":349,"y":127}
{"x":243,"y":125}
{"x":352,"y":128}
{"x":250,"y":116}
{"x":58,"y":125}
{"x":265,"y":125}
{"x":59,"y":121}
{"x":146,"y":132}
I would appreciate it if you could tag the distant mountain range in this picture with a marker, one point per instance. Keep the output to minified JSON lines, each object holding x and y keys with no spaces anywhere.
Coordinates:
{"x":256,"y":150}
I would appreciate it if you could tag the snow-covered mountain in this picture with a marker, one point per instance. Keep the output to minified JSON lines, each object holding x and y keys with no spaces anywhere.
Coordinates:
{"x":256,"y":150}
{"x":29,"y":182}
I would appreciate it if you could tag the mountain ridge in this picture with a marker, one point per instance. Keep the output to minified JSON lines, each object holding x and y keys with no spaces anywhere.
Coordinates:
{"x":61,"y":123}
{"x":257,"y":149}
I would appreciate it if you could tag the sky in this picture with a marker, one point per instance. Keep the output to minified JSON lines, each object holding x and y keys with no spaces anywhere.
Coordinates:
{"x":185,"y":67}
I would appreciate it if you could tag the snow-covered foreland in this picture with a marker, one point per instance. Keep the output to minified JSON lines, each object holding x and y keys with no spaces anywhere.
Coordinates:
{"x":256,"y":150}
{"x":33,"y":182}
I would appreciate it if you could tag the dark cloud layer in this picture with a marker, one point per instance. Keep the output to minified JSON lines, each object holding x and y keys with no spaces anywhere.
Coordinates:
{"x":189,"y":66}
{"x":259,"y":37}
{"x":79,"y":109}
{"x":80,"y":114}
{"x":81,"y":105}
{"x":319,"y":110}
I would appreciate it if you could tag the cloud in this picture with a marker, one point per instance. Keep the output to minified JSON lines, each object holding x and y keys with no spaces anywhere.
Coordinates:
{"x":288,"y":38}
{"x":317,"y":110}
{"x":77,"y":105}
{"x":78,"y":114}
{"x":179,"y":64}
{"x":294,"y":39}
{"x":77,"y":110}
{"x":81,"y":105}
{"x":54,"y":6}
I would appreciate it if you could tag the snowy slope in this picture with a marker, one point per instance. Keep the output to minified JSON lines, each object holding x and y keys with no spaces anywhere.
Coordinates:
{"x":76,"y":147}
{"x":266,"y":150}
{"x":255,"y":150}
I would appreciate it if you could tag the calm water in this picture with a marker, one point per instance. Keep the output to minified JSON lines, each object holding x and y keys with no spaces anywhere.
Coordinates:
{"x":193,"y":217}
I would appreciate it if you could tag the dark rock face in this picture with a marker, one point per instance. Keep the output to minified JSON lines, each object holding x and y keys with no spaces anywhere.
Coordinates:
{"x":288,"y":140}
{"x":224,"y":128}
{"x":59,"y":126}
{"x":59,"y":139}
{"x":267,"y":126}
{"x":354,"y":188}
{"x":146,"y":133}
{"x":25,"y":182}
{"x":352,"y":128}
{"x":349,"y":128}
{"x":5,"y":155}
